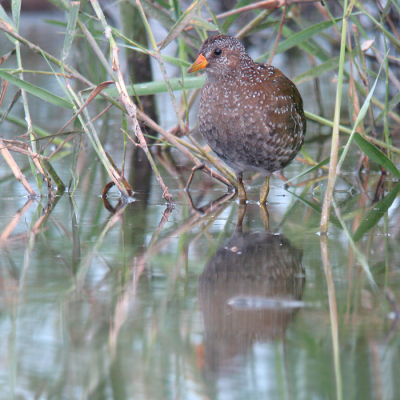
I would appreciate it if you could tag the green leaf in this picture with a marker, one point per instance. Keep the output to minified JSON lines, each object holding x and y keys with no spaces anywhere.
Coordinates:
{"x":232,"y":18}
{"x":182,"y":22}
{"x":16,"y":11}
{"x":301,"y":37}
{"x":148,"y":88}
{"x":382,"y":28}
{"x":70,"y":33}
{"x":360,"y":256}
{"x":176,"y":61}
{"x":360,"y":117}
{"x":35,"y":90}
{"x":315,"y":167}
{"x":316,"y":207}
{"x":6,"y":21}
{"x":5,"y":18}
{"x":201,"y":23}
{"x":392,"y":103}
{"x":164,"y":18}
{"x":317,"y":71}
{"x":377,"y":212}
{"x":375,"y":155}
{"x":310,"y":46}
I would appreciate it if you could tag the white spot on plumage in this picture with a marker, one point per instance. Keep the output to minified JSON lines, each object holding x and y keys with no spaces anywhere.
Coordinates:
{"x":278,"y":140}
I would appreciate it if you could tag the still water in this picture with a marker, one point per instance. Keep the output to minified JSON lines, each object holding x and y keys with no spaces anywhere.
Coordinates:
{"x":137,"y":301}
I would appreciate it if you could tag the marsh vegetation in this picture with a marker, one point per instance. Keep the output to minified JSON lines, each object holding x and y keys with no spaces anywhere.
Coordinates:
{"x":118,"y":283}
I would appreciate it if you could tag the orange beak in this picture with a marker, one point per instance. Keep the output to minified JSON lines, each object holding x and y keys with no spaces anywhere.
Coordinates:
{"x":200,"y":63}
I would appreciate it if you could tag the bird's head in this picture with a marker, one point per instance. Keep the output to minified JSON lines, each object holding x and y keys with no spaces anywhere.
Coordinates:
{"x":220,"y":55}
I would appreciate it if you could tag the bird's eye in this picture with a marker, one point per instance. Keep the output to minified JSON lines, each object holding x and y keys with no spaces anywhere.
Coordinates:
{"x":217,"y":51}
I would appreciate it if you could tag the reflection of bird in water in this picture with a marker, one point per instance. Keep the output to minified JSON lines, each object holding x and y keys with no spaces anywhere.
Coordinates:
{"x":249,"y":292}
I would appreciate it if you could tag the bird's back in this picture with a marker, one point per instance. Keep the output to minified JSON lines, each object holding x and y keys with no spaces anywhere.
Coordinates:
{"x":253,"y":119}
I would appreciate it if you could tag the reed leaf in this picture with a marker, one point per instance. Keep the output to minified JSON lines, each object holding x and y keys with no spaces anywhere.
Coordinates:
{"x":36,"y":91}
{"x":360,"y":117}
{"x":202,"y":23}
{"x":181,"y":23}
{"x":309,"y":46}
{"x":16,"y":11}
{"x":376,"y":155}
{"x":377,"y":212}
{"x":316,"y":207}
{"x":6,"y":19}
{"x":70,"y":33}
{"x":360,"y":256}
{"x":327,"y":66}
{"x":232,"y":18}
{"x":165,"y":20}
{"x":395,"y":42}
{"x":315,"y":167}
{"x":149,"y":88}
{"x":301,"y":37}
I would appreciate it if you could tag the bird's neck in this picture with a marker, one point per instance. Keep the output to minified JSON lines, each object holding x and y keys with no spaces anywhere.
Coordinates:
{"x":244,"y":66}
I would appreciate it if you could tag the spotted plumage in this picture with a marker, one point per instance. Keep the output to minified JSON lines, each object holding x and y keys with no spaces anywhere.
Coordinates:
{"x":250,"y":114}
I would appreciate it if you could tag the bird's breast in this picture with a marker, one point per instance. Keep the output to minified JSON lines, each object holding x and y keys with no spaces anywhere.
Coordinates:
{"x":251,"y":126}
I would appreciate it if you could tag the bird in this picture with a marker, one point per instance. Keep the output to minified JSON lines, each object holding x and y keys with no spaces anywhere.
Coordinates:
{"x":250,"y":114}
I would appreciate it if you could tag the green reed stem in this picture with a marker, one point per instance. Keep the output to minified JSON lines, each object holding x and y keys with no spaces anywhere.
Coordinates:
{"x":335,"y":133}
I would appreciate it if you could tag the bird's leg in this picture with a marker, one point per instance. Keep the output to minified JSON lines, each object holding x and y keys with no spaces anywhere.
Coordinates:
{"x":264,"y":191}
{"x":241,"y":191}
{"x":264,"y":216}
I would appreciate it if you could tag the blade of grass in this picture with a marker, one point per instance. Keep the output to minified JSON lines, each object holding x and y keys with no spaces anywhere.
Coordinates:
{"x":201,"y":23}
{"x":300,"y":37}
{"x":22,"y":123}
{"x":376,"y":155}
{"x":149,"y":88}
{"x":381,"y":27}
{"x":315,"y":167}
{"x":16,"y":11}
{"x":231,"y":19}
{"x":255,"y":24}
{"x":157,"y":55}
{"x":161,"y":16}
{"x":360,"y":117}
{"x":308,"y":46}
{"x":317,"y":71}
{"x":70,"y":32}
{"x":182,"y":22}
{"x":315,"y":207}
{"x":36,"y":91}
{"x":361,"y":257}
{"x":6,"y":19}
{"x":377,"y":212}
